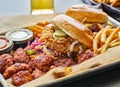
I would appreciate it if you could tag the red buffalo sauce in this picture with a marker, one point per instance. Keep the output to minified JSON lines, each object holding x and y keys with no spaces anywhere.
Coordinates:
{"x":5,"y":44}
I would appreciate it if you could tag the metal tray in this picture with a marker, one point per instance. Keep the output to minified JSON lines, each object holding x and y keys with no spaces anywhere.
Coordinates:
{"x":84,"y":74}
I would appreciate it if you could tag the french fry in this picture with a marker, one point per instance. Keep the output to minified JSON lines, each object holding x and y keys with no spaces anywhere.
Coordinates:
{"x":109,"y":25}
{"x":115,"y":44}
{"x":100,"y":26}
{"x":113,"y":41}
{"x":36,"y":28}
{"x":106,"y":1}
{"x":109,"y":39}
{"x":109,"y":31}
{"x":99,"y":50}
{"x":42,"y":24}
{"x":103,"y":36}
{"x":115,"y":3}
{"x":96,"y":41}
{"x":119,"y":35}
{"x":94,"y":34}
{"x":83,"y":20}
{"x":98,"y":1}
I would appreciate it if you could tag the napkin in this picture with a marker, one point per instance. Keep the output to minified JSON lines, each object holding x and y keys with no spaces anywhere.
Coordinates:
{"x":111,"y":11}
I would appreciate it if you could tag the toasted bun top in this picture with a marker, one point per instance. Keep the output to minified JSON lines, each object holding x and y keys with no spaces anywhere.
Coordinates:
{"x":74,"y":29}
{"x":87,"y":13}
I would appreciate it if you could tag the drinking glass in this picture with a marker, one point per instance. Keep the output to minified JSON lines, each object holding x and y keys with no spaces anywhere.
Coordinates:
{"x":42,"y":6}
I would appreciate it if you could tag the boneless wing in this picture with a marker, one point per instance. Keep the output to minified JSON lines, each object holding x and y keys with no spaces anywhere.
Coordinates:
{"x":16,"y":68}
{"x":41,"y":62}
{"x":6,"y":60}
{"x":20,"y":56}
{"x":21,"y":77}
{"x":37,"y":73}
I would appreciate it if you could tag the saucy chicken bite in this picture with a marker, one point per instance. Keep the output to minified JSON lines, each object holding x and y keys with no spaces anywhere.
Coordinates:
{"x":85,"y":56}
{"x":41,"y":62}
{"x":64,"y":62}
{"x":21,"y":77}
{"x":20,"y":56}
{"x":37,"y":73}
{"x":6,"y":60}
{"x":16,"y":68}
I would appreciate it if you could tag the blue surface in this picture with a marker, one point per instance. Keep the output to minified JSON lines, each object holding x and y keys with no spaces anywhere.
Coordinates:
{"x":22,"y":7}
{"x":14,"y":7}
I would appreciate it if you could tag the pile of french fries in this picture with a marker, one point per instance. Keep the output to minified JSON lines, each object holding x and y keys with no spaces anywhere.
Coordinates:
{"x":106,"y":38}
{"x":38,"y":28}
{"x":111,"y":2}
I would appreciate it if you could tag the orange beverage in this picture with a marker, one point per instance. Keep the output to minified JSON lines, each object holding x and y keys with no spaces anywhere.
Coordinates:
{"x":42,"y":6}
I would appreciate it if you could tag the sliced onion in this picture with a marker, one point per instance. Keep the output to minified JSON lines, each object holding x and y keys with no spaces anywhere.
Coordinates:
{"x":81,"y":49}
{"x":72,"y":45}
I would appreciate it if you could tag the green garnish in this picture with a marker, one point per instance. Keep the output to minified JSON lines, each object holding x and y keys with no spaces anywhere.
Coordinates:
{"x":59,"y":33}
{"x":30,"y":52}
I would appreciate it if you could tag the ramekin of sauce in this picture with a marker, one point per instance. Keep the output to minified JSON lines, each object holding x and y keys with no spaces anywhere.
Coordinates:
{"x":20,"y":37}
{"x":6,"y":44}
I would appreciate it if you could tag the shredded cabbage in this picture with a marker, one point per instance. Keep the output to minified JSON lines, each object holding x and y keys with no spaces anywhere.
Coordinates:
{"x":36,"y":46}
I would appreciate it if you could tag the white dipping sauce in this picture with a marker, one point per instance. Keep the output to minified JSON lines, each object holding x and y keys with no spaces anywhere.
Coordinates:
{"x":19,"y":34}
